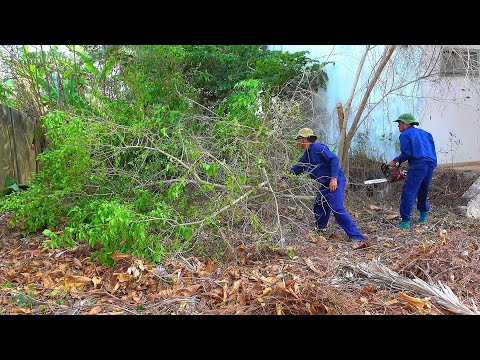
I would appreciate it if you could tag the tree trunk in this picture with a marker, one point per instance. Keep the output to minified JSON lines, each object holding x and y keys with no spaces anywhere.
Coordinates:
{"x":343,"y":127}
{"x":347,"y":140}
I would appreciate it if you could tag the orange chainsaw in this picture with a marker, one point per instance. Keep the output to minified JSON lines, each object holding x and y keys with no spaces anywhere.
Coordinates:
{"x":392,"y":174}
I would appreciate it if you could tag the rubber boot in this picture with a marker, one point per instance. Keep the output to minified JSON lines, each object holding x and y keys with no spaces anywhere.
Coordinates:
{"x":423,"y":216}
{"x":404,"y":224}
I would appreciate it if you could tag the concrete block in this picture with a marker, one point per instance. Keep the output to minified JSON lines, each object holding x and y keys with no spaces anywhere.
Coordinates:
{"x":472,"y":199}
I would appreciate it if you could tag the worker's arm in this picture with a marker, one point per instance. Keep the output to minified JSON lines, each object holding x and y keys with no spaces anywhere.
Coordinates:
{"x":299,"y":167}
{"x":332,"y":159}
{"x":405,"y":150}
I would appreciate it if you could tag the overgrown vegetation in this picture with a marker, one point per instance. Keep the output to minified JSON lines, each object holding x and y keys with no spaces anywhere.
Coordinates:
{"x":154,"y":150}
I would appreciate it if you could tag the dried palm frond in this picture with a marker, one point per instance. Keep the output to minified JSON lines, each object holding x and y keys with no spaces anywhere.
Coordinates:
{"x":379,"y":274}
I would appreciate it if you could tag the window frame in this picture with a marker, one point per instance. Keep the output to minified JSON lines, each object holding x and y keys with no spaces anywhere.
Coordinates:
{"x":460,"y":62}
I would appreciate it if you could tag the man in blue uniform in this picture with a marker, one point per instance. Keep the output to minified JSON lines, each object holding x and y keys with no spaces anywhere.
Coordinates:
{"x":323,"y":166}
{"x":418,"y":148}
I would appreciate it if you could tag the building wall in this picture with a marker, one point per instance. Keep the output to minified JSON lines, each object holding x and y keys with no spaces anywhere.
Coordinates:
{"x":442,"y":107}
{"x":454,"y":121}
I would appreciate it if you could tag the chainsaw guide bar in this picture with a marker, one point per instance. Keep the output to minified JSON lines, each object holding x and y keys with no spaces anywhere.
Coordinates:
{"x":375,"y":181}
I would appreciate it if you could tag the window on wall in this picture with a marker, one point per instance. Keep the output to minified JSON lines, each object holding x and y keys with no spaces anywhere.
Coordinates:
{"x":458,"y":62}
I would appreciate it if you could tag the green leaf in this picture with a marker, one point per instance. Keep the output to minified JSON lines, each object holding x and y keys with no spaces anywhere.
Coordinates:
{"x":9,"y":181}
{"x":90,"y":67}
{"x":109,"y":67}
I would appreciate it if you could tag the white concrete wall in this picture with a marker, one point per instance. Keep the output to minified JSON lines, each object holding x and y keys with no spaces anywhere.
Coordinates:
{"x":453,"y":121}
{"x":448,"y":107}
{"x":378,"y":135}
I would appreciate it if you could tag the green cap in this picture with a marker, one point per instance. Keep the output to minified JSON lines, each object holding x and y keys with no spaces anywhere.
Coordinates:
{"x":407,"y":118}
{"x":305,"y":133}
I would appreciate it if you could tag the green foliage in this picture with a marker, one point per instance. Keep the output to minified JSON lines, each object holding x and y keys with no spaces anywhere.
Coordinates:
{"x":276,"y":69}
{"x":239,"y":118}
{"x":155,"y":78}
{"x":23,"y":301}
{"x":215,"y":69}
{"x":6,"y":92}
{"x":11,"y":186}
{"x":126,"y":143}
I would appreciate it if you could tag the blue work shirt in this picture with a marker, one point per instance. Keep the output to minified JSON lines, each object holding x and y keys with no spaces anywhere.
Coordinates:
{"x":416,"y":146}
{"x":320,"y":164}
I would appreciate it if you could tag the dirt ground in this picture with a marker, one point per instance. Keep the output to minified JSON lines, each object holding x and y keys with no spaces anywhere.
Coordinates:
{"x":305,"y":275}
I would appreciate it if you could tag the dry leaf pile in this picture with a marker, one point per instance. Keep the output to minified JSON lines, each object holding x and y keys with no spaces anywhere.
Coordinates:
{"x":295,"y":278}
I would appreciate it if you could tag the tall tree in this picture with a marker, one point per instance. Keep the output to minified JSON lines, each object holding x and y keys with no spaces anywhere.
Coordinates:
{"x":392,"y":72}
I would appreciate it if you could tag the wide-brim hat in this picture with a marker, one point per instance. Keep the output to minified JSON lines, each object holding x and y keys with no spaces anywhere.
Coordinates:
{"x":407,"y":118}
{"x":305,"y":133}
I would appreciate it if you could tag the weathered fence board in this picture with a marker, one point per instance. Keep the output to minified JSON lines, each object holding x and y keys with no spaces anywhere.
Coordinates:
{"x":17,"y":153}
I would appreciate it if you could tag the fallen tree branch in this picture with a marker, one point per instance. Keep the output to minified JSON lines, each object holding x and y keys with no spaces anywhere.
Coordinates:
{"x":378,"y":273}
{"x":282,"y":238}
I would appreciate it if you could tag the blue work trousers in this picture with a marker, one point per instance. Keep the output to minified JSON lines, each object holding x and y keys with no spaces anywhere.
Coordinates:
{"x":326,"y":202}
{"x":416,"y":186}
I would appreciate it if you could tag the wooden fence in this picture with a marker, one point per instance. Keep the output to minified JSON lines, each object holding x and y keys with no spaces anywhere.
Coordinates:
{"x":17,"y":152}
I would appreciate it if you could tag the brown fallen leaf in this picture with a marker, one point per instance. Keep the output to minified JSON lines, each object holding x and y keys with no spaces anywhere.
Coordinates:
{"x":374,"y":207}
{"x":95,"y":310}
{"x":331,"y":311}
{"x":214,"y":296}
{"x":74,"y":293}
{"x":242,"y":301}
{"x":391,"y":302}
{"x":210,"y":266}
{"x":282,"y":286}
{"x":133,"y":296}
{"x":280,"y":309}
{"x":419,"y":303}
{"x":362,"y":245}
{"x":442,"y":233}
{"x":392,"y":216}
{"x":119,"y":256}
{"x":77,"y":263}
{"x":235,"y":287}
{"x":20,"y":310}
{"x":334,"y":236}
{"x":96,"y":281}
{"x":269,"y":280}
{"x":363,"y":300}
{"x":311,"y":265}
{"x":241,"y":248}
{"x":113,"y":313}
{"x":474,"y":245}
{"x":163,"y":294}
{"x":315,"y":238}
{"x":318,"y":308}
{"x":115,"y":288}
{"x":78,"y":279}
{"x":242,"y":258}
{"x":257,"y":286}
{"x":369,"y":289}
{"x":122,"y":277}
{"x":47,"y":282}
{"x":188,"y":291}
